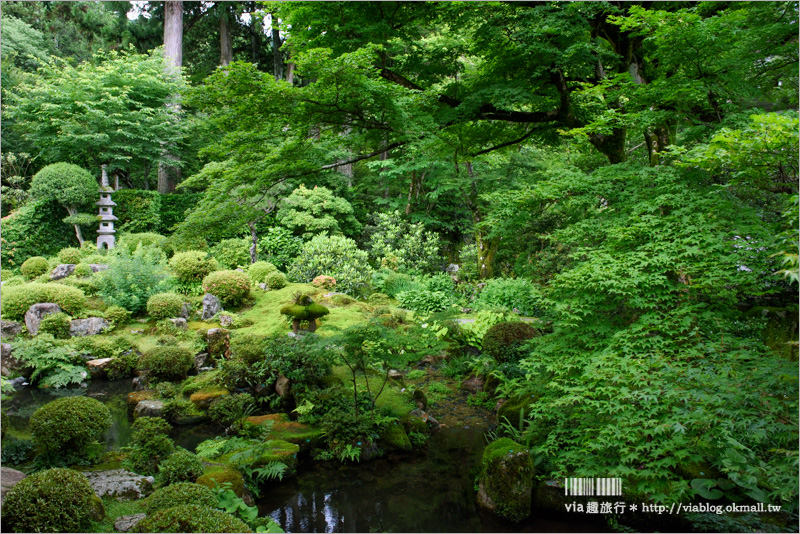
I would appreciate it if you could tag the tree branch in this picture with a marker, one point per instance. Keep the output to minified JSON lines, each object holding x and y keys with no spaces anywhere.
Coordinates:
{"x":503,"y":145}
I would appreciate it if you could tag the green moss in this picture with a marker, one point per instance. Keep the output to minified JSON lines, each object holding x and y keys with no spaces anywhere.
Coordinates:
{"x":281,"y":428}
{"x":114,"y":510}
{"x":203,"y":398}
{"x":180,"y":493}
{"x":391,"y":398}
{"x":191,"y":518}
{"x":295,"y":311}
{"x":507,"y":478}
{"x":394,"y":438}
{"x":220,"y":474}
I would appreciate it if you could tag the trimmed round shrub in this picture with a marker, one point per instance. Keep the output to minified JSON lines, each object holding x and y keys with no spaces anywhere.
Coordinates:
{"x":504,"y":341}
{"x":164,"y":305}
{"x":276,"y":280}
{"x":191,"y":518}
{"x":232,"y":253}
{"x":55,"y":500}
{"x":335,"y":256}
{"x":70,"y":255}
{"x":178,"y":494}
{"x":17,"y":299}
{"x":167,"y":363}
{"x":150,"y":444}
{"x":83,"y":269}
{"x":69,"y":424}
{"x":231,"y":287}
{"x":56,"y":324}
{"x":35,"y":266}
{"x":117,"y":314}
{"x":180,"y":466}
{"x":325,"y":282}
{"x":192,"y":266}
{"x":259,"y":270}
{"x":146,"y":239}
{"x":379,"y":299}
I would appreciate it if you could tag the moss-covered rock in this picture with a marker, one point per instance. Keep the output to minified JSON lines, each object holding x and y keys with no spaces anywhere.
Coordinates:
{"x":506,"y":480}
{"x":135,"y":397}
{"x":202,"y":399}
{"x":276,"y":450}
{"x":394,"y":438}
{"x":191,"y":518}
{"x":281,"y":428}
{"x":218,"y":342}
{"x":413,"y":423}
{"x":780,"y":331}
{"x":219,"y":475}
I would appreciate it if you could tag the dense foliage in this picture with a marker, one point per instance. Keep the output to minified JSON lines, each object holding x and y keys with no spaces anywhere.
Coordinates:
{"x":70,"y":424}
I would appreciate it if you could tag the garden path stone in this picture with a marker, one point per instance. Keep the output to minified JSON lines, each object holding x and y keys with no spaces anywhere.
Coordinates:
{"x":87,"y":327}
{"x":211,"y":306}
{"x":120,"y":484}
{"x":8,"y":479}
{"x":36,"y":313}
{"x":126,"y":523}
{"x":62,"y":271}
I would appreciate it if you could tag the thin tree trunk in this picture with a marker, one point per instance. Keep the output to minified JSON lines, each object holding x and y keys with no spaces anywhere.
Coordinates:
{"x":72,"y":212}
{"x":254,"y":239}
{"x":277,"y":58}
{"x":169,"y":175}
{"x":225,"y":46}
{"x":290,"y":73}
{"x":487,"y":248}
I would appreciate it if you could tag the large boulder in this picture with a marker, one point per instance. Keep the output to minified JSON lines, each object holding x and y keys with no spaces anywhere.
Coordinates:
{"x":36,"y":313}
{"x":211,"y":306}
{"x":10,"y":329}
{"x":394,"y":438}
{"x":149,"y":408}
{"x":203,"y":398}
{"x":90,"y":326}
{"x":9,"y":365}
{"x":8,"y":479}
{"x":62,"y":271}
{"x":120,"y":484}
{"x":506,"y":480}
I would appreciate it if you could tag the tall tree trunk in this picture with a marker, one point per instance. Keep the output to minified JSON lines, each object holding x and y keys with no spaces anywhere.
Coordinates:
{"x":254,"y":242}
{"x":487,"y":248}
{"x":168,"y":175}
{"x":290,"y":73}
{"x":225,"y":46}
{"x":277,"y":57}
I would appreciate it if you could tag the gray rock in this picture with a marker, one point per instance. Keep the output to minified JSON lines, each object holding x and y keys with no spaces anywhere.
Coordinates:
{"x":225,"y":320}
{"x":186,"y":311}
{"x":19,"y":382}
{"x":473,"y":384}
{"x":126,"y":523}
{"x":10,"y":329}
{"x":395,"y":374}
{"x":120,"y":484}
{"x":8,"y":479}
{"x":200,"y":360}
{"x":148,"y":408}
{"x":62,"y":271}
{"x":35,"y":314}
{"x":97,"y":267}
{"x":211,"y":306}
{"x":179,"y":322}
{"x":90,"y":326}
{"x":97,"y":368}
{"x":283,"y":386}
{"x":263,"y":286}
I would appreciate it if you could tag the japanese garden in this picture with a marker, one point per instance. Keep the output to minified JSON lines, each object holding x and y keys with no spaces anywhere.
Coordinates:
{"x":399,"y":266}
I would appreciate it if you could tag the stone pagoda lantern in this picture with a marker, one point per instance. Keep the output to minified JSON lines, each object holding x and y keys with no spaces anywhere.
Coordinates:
{"x":106,"y":231}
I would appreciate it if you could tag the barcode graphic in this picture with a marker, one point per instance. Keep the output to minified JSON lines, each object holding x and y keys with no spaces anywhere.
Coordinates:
{"x":592,"y":486}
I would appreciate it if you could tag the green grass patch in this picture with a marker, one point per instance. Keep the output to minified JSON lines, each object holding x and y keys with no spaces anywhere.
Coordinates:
{"x":114,"y":510}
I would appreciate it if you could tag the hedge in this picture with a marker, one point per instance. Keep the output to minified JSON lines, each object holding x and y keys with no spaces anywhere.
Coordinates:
{"x":150,"y":211}
{"x":36,"y":230}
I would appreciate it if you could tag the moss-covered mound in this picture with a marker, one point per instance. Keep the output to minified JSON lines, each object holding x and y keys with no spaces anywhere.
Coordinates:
{"x":506,"y":479}
{"x":281,"y":428}
{"x":178,"y":494}
{"x":504,"y":341}
{"x":217,"y":475}
{"x":70,"y":424}
{"x":191,"y":518}
{"x":394,"y":438}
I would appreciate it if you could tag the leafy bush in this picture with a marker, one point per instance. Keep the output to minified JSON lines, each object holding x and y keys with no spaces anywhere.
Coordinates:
{"x":191,"y":518}
{"x":424,"y":301}
{"x":504,"y":341}
{"x":392,"y":283}
{"x":405,"y":245}
{"x":276,"y":280}
{"x":53,"y":366}
{"x":248,"y":347}
{"x":180,"y":466}
{"x":279,"y":246}
{"x":89,"y":286}
{"x":309,"y":212}
{"x":192,"y":266}
{"x":167,"y":363}
{"x":101,"y":346}
{"x":334,"y":256}
{"x":55,"y":324}
{"x":149,"y":445}
{"x":132,"y":278}
{"x":232,"y":253}
{"x":259,"y":270}
{"x":472,"y":333}
{"x":164,"y":305}
{"x":230,"y":408}
{"x":117,"y":315}
{"x":83,"y":269}
{"x":55,"y":500}
{"x":510,"y":293}
{"x":231,"y":287}
{"x":33,"y":230}
{"x":70,"y":255}
{"x":147,"y":240}
{"x":70,"y":424}
{"x":35,"y":266}
{"x":180,"y":493}
{"x":122,"y":366}
{"x":15,"y":451}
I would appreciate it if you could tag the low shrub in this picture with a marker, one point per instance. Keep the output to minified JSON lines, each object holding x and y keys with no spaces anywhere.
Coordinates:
{"x":230,"y":408}
{"x":146,"y":239}
{"x":117,"y":315}
{"x":55,"y":500}
{"x":513,"y":294}
{"x":33,"y":267}
{"x":180,"y":466}
{"x":133,"y":277}
{"x":191,"y":518}
{"x":55,"y":324}
{"x":259,"y":270}
{"x":231,"y":287}
{"x":335,"y":256}
{"x":248,"y":347}
{"x":504,"y":341}
{"x":167,"y":363}
{"x":325,"y":282}
{"x":70,"y":255}
{"x":150,"y":444}
{"x":276,"y":280}
{"x":122,"y":366}
{"x":178,"y":494}
{"x":83,"y":269}
{"x":232,"y":253}
{"x":379,"y":299}
{"x":89,"y":286}
{"x":164,"y":305}
{"x":424,"y":301}
{"x":192,"y":266}
{"x":70,"y":424}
